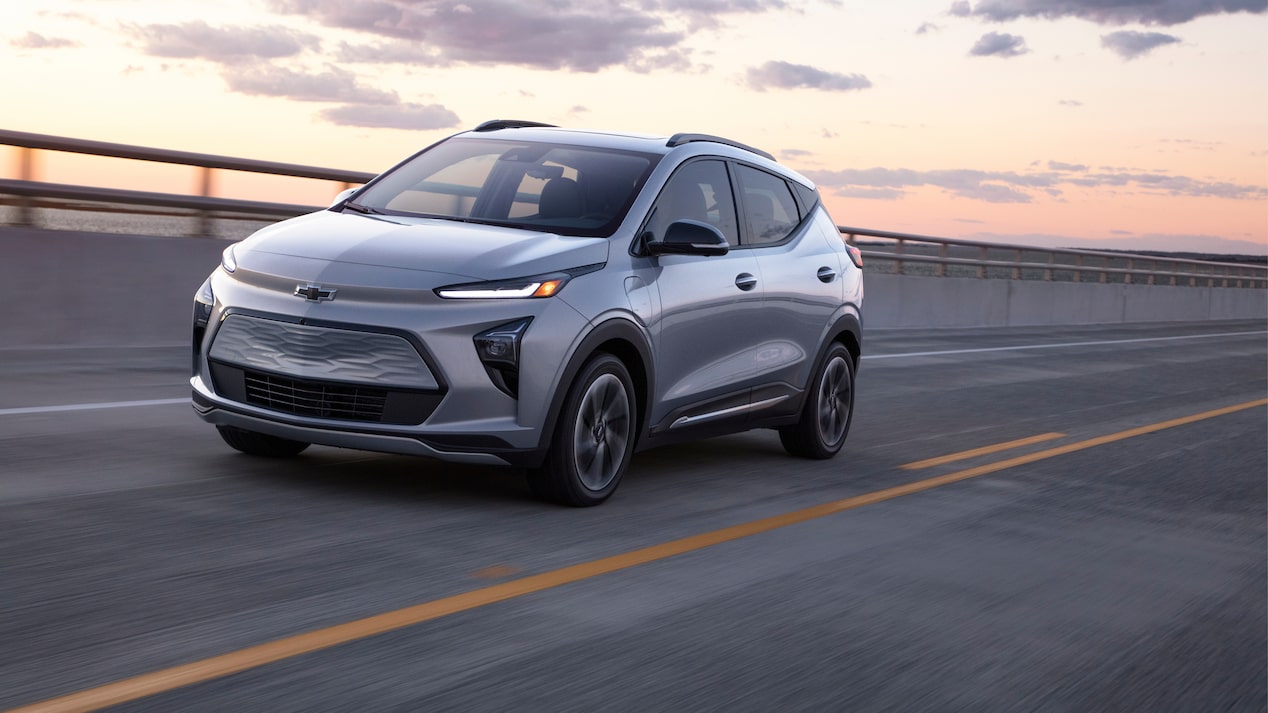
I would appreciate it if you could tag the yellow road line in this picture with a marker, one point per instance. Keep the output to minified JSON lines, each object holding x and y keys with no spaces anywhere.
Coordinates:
{"x":984,"y":450}
{"x":170,"y":679}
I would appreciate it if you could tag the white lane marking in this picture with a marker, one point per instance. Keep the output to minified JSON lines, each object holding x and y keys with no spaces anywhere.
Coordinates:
{"x":90,"y":407}
{"x":1060,"y":345}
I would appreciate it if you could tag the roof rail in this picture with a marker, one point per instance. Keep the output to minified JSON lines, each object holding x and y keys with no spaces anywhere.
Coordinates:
{"x":495,"y":124}
{"x":680,"y":139}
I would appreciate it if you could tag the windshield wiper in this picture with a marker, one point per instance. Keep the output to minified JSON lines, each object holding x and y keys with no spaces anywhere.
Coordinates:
{"x":357,"y":207}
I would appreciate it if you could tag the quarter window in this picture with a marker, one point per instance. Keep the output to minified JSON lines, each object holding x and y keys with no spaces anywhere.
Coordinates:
{"x":770,"y":211}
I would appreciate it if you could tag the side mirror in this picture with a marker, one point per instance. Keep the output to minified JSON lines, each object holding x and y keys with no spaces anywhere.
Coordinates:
{"x":343,"y":196}
{"x":689,"y":237}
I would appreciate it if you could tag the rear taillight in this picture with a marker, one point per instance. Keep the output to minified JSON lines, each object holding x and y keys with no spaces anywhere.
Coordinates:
{"x":856,"y":256}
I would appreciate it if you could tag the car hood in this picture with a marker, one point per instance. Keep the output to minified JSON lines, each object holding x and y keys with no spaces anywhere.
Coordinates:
{"x":465,"y":251}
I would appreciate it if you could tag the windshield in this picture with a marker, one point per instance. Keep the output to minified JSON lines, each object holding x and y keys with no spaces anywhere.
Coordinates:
{"x":570,"y":190}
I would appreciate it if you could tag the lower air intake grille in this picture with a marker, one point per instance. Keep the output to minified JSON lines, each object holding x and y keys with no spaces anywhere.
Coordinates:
{"x":315,"y":399}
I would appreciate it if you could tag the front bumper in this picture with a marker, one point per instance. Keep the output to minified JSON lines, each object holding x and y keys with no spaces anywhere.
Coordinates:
{"x":455,"y":448}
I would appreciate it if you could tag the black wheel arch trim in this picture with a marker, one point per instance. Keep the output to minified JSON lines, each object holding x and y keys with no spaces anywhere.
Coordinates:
{"x":614,"y":328}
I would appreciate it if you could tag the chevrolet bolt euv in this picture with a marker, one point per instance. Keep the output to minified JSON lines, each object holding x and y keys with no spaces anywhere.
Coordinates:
{"x":543,"y":298}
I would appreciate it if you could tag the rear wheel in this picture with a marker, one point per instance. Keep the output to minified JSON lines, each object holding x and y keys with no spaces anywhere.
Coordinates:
{"x":829,"y":407}
{"x":260,"y":444}
{"x":593,"y":439}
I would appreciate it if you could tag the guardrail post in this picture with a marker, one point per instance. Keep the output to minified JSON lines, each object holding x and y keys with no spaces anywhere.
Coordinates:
{"x":981,"y":269}
{"x":1017,"y":258}
{"x":26,"y":172}
{"x":1153,"y":267}
{"x":1127,"y":276}
{"x":898,"y":262}
{"x":1078,"y":262}
{"x":205,"y":185}
{"x":941,"y":269}
{"x":1047,"y":273}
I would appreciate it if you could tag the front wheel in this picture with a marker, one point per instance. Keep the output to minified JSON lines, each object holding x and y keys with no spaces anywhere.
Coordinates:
{"x":829,"y":407}
{"x":260,"y":444}
{"x":593,"y":439}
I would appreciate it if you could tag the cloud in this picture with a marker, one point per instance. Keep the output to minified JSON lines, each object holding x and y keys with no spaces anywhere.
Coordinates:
{"x":1111,"y":12}
{"x":36,"y":41}
{"x":785,"y":75}
{"x":960,"y":8}
{"x":1170,"y":242}
{"x":1059,"y":166}
{"x":333,"y":85}
{"x":927,"y":27}
{"x":999,"y":44}
{"x":795,"y":153}
{"x":1130,"y":45}
{"x":874,"y":194}
{"x":413,"y":117}
{"x":391,"y":52}
{"x":228,"y":45}
{"x":1069,"y":102}
{"x":670,"y":60}
{"x":573,"y":34}
{"x":1014,"y":187}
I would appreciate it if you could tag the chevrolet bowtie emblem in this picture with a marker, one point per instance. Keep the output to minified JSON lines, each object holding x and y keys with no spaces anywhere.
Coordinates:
{"x":314,"y":293}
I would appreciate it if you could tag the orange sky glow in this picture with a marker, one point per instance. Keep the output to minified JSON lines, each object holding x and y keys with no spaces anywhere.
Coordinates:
{"x":1090,"y":123}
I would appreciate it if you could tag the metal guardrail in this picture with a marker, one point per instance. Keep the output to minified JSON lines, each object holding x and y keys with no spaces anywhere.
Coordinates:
{"x":1073,"y":264}
{"x":205,"y":204}
{"x":930,"y":253}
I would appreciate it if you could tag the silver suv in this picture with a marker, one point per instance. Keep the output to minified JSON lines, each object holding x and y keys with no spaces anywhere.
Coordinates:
{"x":531,"y":296}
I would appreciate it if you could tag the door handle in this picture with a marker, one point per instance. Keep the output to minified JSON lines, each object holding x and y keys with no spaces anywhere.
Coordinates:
{"x":826,"y":274}
{"x":745,"y":281}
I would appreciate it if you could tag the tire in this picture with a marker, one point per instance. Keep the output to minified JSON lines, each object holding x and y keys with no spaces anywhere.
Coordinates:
{"x":593,"y":439}
{"x":259,"y":444}
{"x":828,"y":409}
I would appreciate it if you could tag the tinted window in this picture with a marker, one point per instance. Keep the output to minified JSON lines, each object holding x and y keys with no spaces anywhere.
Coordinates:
{"x":809,"y":198}
{"x":700,"y":190}
{"x":572,"y":190}
{"x":770,"y":211}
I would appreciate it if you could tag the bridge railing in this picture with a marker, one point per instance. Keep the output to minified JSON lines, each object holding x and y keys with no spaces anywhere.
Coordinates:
{"x":900,"y":253}
{"x":29,"y":193}
{"x":905,"y":253}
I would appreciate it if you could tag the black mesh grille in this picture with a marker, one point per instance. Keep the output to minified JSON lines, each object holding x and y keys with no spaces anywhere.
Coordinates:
{"x":316,"y":399}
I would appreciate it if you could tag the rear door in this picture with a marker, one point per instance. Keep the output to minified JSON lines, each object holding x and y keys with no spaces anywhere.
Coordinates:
{"x":801,"y":275}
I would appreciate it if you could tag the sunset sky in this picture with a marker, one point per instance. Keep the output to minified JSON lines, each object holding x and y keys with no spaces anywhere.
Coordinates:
{"x":1104,"y":123}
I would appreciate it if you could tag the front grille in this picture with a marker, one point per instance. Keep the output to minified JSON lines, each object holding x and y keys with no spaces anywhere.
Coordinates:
{"x":315,"y":398}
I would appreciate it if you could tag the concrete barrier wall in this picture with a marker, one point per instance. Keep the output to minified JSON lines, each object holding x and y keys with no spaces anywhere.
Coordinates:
{"x":89,"y":289}
{"x":911,"y":301}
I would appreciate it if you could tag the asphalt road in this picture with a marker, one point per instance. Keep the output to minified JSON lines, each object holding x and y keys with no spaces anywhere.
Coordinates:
{"x":1115,"y":563}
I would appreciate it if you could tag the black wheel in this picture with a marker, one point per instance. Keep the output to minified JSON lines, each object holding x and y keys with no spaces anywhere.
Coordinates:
{"x":260,"y":444}
{"x":593,"y":439}
{"x":825,"y":417}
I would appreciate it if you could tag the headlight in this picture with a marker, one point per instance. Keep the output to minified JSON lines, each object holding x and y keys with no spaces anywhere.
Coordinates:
{"x":204,"y":301}
{"x":204,"y":294}
{"x":540,"y":286}
{"x":227,"y":259}
{"x":499,"y":351}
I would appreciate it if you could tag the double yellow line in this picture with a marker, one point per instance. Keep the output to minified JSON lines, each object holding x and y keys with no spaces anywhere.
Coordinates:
{"x":169,"y":679}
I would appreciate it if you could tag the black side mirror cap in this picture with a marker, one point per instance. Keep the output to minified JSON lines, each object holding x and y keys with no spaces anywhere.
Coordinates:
{"x":689,"y":237}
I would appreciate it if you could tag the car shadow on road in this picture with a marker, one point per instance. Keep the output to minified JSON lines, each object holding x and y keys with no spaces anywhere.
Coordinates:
{"x":376,"y":476}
